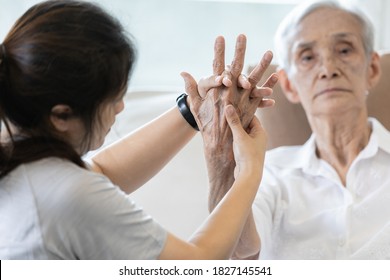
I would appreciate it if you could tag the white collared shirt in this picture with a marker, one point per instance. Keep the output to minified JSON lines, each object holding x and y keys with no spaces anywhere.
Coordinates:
{"x":303,"y":211}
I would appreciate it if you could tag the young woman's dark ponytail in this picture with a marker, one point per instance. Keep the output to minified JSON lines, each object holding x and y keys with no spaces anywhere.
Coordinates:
{"x":59,"y":52}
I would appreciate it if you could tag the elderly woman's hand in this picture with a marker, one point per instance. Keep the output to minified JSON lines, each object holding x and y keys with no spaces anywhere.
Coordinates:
{"x":208,"y":102}
{"x":209,"y":98}
{"x":228,"y":86}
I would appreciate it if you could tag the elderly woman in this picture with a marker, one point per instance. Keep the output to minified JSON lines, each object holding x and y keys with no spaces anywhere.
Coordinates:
{"x":327,"y":198}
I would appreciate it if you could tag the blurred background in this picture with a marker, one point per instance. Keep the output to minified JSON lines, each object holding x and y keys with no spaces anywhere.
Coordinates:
{"x":178,"y":35}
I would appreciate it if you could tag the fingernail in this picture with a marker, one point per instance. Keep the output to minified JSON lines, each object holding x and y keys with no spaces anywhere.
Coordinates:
{"x":227,"y":82}
{"x":268,"y":56}
{"x":230,"y":110}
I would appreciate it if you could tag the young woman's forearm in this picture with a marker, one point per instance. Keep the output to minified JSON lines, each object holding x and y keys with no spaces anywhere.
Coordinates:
{"x":221,"y":177}
{"x":232,"y":214}
{"x":134,"y":159}
{"x":249,"y":244}
{"x":217,"y":237}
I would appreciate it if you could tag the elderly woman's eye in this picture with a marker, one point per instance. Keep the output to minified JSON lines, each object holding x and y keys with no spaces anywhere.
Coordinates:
{"x":345,"y":50}
{"x":307,"y":57}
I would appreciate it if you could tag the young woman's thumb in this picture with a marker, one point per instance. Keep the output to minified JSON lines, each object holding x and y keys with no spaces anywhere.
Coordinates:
{"x":233,"y":120}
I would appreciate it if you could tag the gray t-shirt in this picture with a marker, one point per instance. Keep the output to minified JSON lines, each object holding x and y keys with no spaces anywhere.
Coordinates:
{"x":53,"y":209}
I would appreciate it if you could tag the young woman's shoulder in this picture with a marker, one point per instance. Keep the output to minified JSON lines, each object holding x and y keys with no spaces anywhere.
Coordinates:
{"x":65,"y":183}
{"x":55,"y":175}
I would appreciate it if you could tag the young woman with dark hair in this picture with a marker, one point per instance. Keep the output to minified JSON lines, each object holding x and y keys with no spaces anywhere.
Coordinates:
{"x":64,"y":69}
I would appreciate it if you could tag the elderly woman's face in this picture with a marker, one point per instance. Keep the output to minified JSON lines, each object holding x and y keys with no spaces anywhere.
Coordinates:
{"x":329,"y":68}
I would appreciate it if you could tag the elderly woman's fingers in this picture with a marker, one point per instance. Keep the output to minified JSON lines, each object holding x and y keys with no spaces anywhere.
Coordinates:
{"x":256,"y":74}
{"x":191,"y":87}
{"x":239,"y":56}
{"x":266,"y":88}
{"x":266,"y":102}
{"x":243,"y":82}
{"x":219,"y":56}
{"x":271,"y":81}
{"x":261,"y":92}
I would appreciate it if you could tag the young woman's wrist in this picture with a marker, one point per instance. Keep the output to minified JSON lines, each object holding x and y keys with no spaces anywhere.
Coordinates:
{"x":185,"y":111}
{"x":249,"y":171}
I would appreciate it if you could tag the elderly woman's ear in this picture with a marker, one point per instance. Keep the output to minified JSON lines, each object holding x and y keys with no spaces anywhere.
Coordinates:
{"x":287,"y":87}
{"x":374,"y":71}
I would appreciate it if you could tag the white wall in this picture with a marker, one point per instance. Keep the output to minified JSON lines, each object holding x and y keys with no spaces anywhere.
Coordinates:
{"x":177,"y":35}
{"x":378,"y":11}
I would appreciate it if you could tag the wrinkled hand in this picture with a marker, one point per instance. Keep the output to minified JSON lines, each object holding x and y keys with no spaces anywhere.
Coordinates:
{"x":226,"y":156}
{"x":244,"y":94}
{"x":228,"y":86}
{"x":209,"y":98}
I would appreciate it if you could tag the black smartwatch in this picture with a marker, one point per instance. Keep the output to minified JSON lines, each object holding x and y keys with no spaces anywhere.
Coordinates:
{"x":181,"y":102}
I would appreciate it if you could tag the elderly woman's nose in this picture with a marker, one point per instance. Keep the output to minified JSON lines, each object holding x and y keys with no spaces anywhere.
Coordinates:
{"x":328,"y":67}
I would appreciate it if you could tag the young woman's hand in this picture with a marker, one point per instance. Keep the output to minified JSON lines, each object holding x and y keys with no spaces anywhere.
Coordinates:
{"x":249,"y":144}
